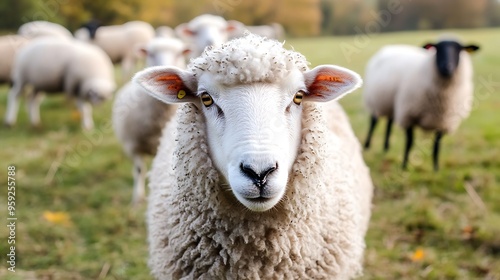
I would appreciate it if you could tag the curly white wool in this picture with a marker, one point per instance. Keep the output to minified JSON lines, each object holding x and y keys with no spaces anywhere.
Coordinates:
{"x":247,"y":60}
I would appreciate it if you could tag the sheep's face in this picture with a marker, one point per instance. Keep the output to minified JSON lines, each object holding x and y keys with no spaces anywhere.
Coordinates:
{"x":163,"y":51}
{"x":253,"y":129}
{"x":97,"y":90}
{"x":253,"y":133}
{"x":204,"y":31}
{"x":448,"y":56}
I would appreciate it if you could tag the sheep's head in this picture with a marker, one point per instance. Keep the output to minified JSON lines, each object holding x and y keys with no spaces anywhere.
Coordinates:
{"x":97,"y":90}
{"x":252,"y":107}
{"x":206,"y":30}
{"x":165,"y":51}
{"x":448,"y":55}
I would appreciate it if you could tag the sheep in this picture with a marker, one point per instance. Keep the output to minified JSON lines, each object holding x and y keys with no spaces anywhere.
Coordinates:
{"x":53,"y":65}
{"x":43,"y":28}
{"x":436,"y":93}
{"x":139,"y":118}
{"x":271,"y":31}
{"x":120,"y":42}
{"x":205,"y":30}
{"x":383,"y":75}
{"x":165,"y":32}
{"x":9,"y":46}
{"x":249,"y":182}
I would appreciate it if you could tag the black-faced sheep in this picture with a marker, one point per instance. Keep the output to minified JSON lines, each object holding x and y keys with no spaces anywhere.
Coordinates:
{"x":429,"y":87}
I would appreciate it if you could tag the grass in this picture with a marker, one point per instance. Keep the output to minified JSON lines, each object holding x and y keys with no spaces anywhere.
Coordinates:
{"x":425,"y":225}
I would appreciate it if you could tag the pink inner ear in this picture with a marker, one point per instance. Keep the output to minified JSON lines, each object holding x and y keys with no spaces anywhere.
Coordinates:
{"x":321,"y":83}
{"x":428,"y":46}
{"x":173,"y":82}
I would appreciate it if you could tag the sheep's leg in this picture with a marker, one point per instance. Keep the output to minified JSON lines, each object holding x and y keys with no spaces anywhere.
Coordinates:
{"x":13,"y":104}
{"x":435,"y":154}
{"x":373,"y":123}
{"x":139,"y":172}
{"x":86,"y":112}
{"x":34,"y":107}
{"x":387,"y":134}
{"x":127,"y":67}
{"x":409,"y":143}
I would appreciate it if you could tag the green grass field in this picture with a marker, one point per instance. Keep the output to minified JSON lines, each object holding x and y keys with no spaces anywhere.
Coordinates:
{"x":425,"y":225}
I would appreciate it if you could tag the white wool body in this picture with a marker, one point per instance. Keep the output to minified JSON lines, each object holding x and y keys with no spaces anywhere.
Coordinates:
{"x":121,"y":42}
{"x":431,"y":102}
{"x":42,"y":28}
{"x":384,"y":74}
{"x":9,"y":46}
{"x":49,"y":65}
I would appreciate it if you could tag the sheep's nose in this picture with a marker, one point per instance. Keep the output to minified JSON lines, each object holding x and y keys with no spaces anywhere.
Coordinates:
{"x":258,"y":178}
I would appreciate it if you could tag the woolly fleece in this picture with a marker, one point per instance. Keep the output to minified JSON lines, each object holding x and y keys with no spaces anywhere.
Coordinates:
{"x":433,"y":103}
{"x":197,"y":229}
{"x":248,"y":59}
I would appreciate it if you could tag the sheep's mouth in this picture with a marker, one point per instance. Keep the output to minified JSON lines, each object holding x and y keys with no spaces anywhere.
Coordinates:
{"x":259,"y":199}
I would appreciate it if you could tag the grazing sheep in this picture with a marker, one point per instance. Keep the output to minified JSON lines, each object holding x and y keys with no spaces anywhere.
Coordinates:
{"x":250,"y":182}
{"x":9,"y":46}
{"x":139,"y":118}
{"x":383,"y":76}
{"x":120,"y":42}
{"x":165,"y":32}
{"x":53,"y":65}
{"x":436,"y":92}
{"x":43,"y":28}
{"x":205,"y":30}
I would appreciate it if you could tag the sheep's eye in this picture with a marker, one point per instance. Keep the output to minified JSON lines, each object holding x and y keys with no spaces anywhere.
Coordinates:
{"x":206,"y":99}
{"x":297,"y":99}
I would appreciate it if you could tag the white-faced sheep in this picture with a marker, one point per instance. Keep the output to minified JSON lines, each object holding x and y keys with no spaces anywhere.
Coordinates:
{"x":120,"y":42}
{"x":271,"y":31}
{"x":205,"y":30}
{"x":429,"y":87}
{"x":165,"y":32}
{"x":9,"y":46}
{"x":51,"y":65}
{"x":139,"y":118}
{"x":255,"y":179}
{"x":43,"y":28}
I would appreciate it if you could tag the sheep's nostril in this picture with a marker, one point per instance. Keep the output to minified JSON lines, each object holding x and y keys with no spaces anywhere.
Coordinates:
{"x":259,"y":179}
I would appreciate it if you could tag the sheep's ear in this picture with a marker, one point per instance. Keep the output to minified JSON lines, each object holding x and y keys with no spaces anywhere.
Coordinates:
{"x":182,"y":31}
{"x":471,"y":48}
{"x":428,"y":46}
{"x":168,"y":84}
{"x":234,"y":27}
{"x":327,"y":82}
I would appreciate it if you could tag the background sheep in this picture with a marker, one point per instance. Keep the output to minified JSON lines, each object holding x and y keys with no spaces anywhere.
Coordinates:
{"x":120,"y":42}
{"x":165,"y":32}
{"x":9,"y":45}
{"x":384,"y":73}
{"x":271,"y":31}
{"x":436,"y":93}
{"x":43,"y":28}
{"x":250,"y":182}
{"x":139,"y":118}
{"x":205,"y":30}
{"x":53,"y":65}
